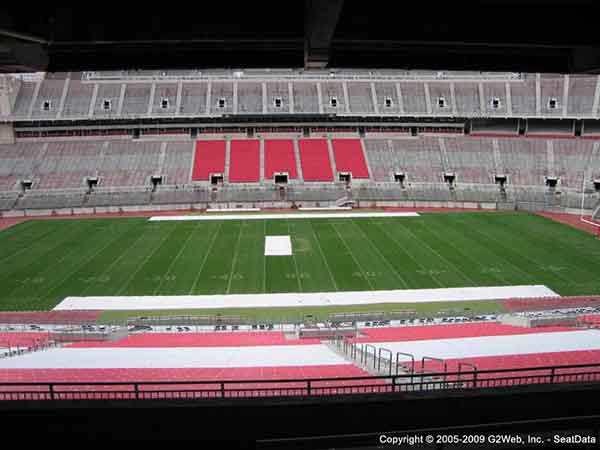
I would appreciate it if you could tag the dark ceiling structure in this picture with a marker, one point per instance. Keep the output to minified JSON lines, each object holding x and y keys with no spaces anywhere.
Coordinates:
{"x":507,"y":35}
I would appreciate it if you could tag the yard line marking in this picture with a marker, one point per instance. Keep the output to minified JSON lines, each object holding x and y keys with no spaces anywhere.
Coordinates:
{"x":381,"y":254}
{"x":423,"y":243}
{"x":294,"y":258}
{"x":234,"y":259}
{"x":146,"y":259}
{"x":353,"y":257}
{"x":211,"y":245}
{"x":183,"y":247}
{"x":323,"y":256}
{"x":398,"y":244}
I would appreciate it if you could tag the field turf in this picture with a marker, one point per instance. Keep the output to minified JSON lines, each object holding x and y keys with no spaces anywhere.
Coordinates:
{"x":41,"y":262}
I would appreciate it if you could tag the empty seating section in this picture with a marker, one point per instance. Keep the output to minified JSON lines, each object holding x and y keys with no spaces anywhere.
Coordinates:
{"x":524,"y":161}
{"x":521,"y":95}
{"x":209,"y":159}
{"x":518,"y":362}
{"x":137,"y":97}
{"x":420,"y":159}
{"x":193,"y":98}
{"x":471,"y":159}
{"x":79,"y":97}
{"x":280,"y":157}
{"x":107,"y":100}
{"x":315,"y":161}
{"x":413,"y":98}
{"x":165,"y":99}
{"x":17,"y":162}
{"x":222,"y":98}
{"x":388,"y":101}
{"x":306,"y":99}
{"x":441,"y":98}
{"x":573,"y":160}
{"x":467,"y":98}
{"x":66,"y":164}
{"x":204,"y":339}
{"x":178,"y":163}
{"x":382,"y":159}
{"x":278,"y":98}
{"x":244,"y":161}
{"x":349,"y":157}
{"x":540,"y":304}
{"x":465,"y":330}
{"x":361,"y":100}
{"x":332,"y":97}
{"x":250,"y":98}
{"x":127,"y":163}
{"x":494,"y":99}
{"x":581,"y":94}
{"x":47,"y":103}
{"x":23,"y":101}
{"x":551,"y":94}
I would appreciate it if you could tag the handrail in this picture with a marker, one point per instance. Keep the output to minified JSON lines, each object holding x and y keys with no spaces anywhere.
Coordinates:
{"x":412,"y":359}
{"x":381,"y":349}
{"x":303,"y":380}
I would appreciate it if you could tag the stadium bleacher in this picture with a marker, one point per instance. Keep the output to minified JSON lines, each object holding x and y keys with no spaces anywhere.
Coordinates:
{"x":315,"y":160}
{"x":244,"y":161}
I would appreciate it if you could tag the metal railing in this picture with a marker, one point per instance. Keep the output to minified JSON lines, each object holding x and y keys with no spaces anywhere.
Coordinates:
{"x":217,"y":389}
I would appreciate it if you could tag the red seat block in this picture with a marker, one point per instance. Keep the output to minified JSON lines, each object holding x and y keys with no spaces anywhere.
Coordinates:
{"x":279,"y":157}
{"x":350,"y":157}
{"x":244,"y":161}
{"x":314,"y":158}
{"x":209,"y":158}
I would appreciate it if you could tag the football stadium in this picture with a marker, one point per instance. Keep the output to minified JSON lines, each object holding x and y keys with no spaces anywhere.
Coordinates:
{"x":213,"y":238}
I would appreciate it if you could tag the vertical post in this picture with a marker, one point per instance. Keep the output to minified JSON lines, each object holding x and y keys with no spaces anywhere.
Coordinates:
{"x":308,"y":387}
{"x":51,"y":387}
{"x":552,"y":375}
{"x":136,"y":389}
{"x":222,"y":390}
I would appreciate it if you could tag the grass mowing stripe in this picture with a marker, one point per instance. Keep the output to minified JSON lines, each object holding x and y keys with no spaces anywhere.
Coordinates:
{"x":471,"y":261}
{"x":20,"y":240}
{"x":443,"y":270}
{"x":31,"y":274}
{"x":236,"y":252}
{"x":541,"y":259}
{"x":346,"y":273}
{"x":447,"y":252}
{"x":23,"y":264}
{"x":185,"y":241}
{"x":150,"y":267}
{"x":82,"y":251}
{"x":349,"y":251}
{"x":96,"y":271}
{"x":398,"y":257}
{"x":518,"y":275}
{"x":374,"y":268}
{"x":311,"y":264}
{"x":287,"y":222}
{"x":577,"y":258}
{"x":281,"y":273}
{"x":248,"y":276}
{"x":208,"y":250}
{"x":377,"y":250}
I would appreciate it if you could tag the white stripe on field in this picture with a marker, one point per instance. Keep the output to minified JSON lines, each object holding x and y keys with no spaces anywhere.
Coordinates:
{"x":304,"y":299}
{"x":281,"y":216}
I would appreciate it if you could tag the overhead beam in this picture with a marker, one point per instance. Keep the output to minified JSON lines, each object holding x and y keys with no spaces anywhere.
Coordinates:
{"x":320,"y":21}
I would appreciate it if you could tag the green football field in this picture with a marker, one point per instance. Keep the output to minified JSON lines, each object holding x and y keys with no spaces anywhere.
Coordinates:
{"x":41,"y":262}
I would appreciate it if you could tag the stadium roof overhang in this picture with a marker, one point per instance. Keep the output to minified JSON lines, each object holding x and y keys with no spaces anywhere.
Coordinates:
{"x":524,"y":35}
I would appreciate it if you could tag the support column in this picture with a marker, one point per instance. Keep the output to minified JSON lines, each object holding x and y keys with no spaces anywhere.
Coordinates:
{"x":374,"y":99}
{"x":427,"y":98}
{"x":121,"y":98}
{"x":93,"y":101}
{"x":565,"y":95}
{"x":151,"y":99}
{"x":63,"y":96}
{"x":320,"y":98}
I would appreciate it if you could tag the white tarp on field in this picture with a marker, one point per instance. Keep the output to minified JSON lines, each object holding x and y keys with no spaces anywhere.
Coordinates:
{"x":332,"y":215}
{"x":475,"y":347}
{"x":175,"y":357}
{"x":278,"y":246}
{"x":303,"y":299}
